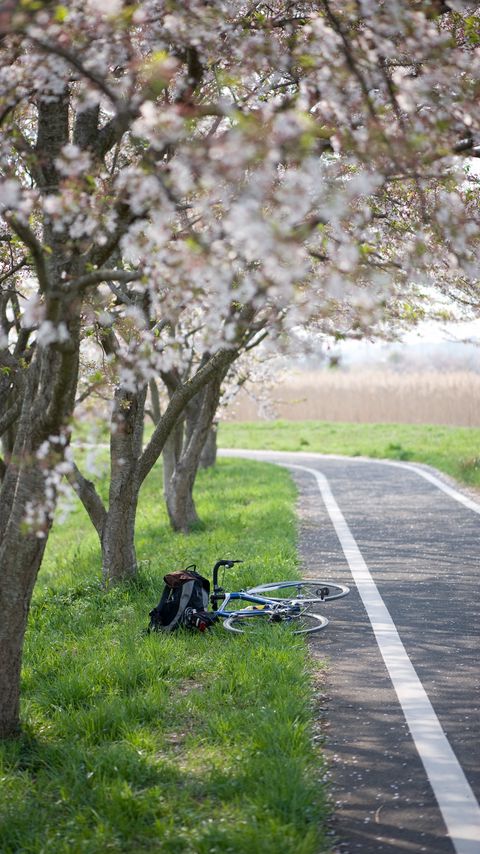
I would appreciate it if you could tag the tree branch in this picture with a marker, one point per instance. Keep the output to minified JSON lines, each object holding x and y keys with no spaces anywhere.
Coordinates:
{"x":89,"y":497}
{"x":120,"y":294}
{"x":87,"y":392}
{"x":221,"y":360}
{"x":25,"y":233}
{"x":211,"y":396}
{"x":156,"y":413}
{"x":103,"y":275}
{"x":256,"y":341}
{"x":111,"y":132}
{"x":22,"y":146}
{"x":13,"y":270}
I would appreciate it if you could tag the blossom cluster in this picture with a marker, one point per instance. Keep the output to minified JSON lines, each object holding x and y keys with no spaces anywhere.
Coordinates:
{"x":305,"y":160}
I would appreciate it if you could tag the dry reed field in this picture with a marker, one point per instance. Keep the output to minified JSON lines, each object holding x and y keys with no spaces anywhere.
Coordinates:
{"x":368,"y":396}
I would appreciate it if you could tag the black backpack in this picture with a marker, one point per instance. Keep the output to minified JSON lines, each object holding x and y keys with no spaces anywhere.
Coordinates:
{"x":184,"y":602}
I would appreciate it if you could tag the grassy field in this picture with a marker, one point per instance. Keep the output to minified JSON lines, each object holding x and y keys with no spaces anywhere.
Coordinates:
{"x":183,"y":743}
{"x":370,"y":396}
{"x":453,"y":450}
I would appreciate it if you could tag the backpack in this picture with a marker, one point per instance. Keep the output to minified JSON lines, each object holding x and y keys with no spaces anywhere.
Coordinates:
{"x":184,"y":602}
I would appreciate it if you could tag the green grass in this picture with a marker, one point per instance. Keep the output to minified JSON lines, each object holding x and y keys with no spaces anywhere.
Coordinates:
{"x":182,"y":743}
{"x":453,"y":450}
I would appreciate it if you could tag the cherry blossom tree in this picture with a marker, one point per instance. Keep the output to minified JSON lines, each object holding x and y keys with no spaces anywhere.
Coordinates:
{"x":246,"y":161}
{"x":185,"y":443}
{"x":182,"y":453}
{"x":94,"y":102}
{"x":195,"y":391}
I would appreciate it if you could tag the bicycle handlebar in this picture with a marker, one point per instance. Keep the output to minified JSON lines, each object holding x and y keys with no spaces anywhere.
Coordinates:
{"x":226,"y":563}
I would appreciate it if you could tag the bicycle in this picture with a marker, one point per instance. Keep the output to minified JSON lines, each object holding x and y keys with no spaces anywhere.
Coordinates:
{"x":290,"y":610}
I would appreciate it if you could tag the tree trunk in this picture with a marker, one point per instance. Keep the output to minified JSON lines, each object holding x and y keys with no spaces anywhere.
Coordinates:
{"x":181,"y":508}
{"x":156,"y":412}
{"x":21,"y":554}
{"x":208,"y":457}
{"x":172,"y":451}
{"x":48,"y":402}
{"x":179,"y":484}
{"x":46,"y":407}
{"x":172,"y":455}
{"x":119,"y":562}
{"x":119,"y":559}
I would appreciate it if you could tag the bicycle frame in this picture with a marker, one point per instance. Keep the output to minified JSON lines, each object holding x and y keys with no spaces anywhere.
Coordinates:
{"x":257,"y":602}
{"x":262,"y":602}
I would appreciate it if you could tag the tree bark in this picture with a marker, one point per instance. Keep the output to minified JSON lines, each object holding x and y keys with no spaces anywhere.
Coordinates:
{"x":179,"y":483}
{"x":181,"y":509}
{"x":171,"y":452}
{"x":119,"y":559}
{"x":119,"y":562}
{"x":46,"y":407}
{"x":155,"y":413}
{"x":208,"y":457}
{"x":20,"y":558}
{"x":48,"y":402}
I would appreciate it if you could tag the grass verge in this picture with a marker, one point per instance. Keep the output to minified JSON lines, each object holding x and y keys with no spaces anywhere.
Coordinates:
{"x":453,"y":450}
{"x":183,"y":743}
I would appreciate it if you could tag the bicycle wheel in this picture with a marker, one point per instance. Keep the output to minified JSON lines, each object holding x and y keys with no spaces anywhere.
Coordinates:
{"x":306,"y":590}
{"x":258,"y":622}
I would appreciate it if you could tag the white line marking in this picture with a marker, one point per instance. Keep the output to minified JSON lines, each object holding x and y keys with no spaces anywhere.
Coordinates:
{"x":457,"y":802}
{"x":305,"y":455}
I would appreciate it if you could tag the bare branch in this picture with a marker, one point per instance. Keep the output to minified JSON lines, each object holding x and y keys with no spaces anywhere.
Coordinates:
{"x":121,"y":295}
{"x":25,"y":233}
{"x":221,"y":360}
{"x":90,"y":498}
{"x":103,"y":275}
{"x":88,"y":391}
{"x":256,"y":341}
{"x":13,"y":270}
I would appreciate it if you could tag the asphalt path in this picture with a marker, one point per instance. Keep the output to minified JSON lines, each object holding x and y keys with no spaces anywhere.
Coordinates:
{"x":400,"y":701}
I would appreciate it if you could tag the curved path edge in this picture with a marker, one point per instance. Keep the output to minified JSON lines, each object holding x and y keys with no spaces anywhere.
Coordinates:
{"x":436,"y":477}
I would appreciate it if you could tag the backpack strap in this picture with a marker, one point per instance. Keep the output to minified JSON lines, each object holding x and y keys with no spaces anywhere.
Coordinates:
{"x":184,"y":600}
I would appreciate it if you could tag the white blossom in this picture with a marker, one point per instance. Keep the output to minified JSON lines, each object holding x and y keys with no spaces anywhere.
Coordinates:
{"x":10,"y":194}
{"x":52,"y":333}
{"x":73,"y":162}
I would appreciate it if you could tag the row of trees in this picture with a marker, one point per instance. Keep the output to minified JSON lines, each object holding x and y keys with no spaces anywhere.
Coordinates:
{"x":182,"y":181}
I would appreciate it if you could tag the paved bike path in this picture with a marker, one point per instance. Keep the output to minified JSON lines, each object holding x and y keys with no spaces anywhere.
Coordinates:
{"x":422,"y":548}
